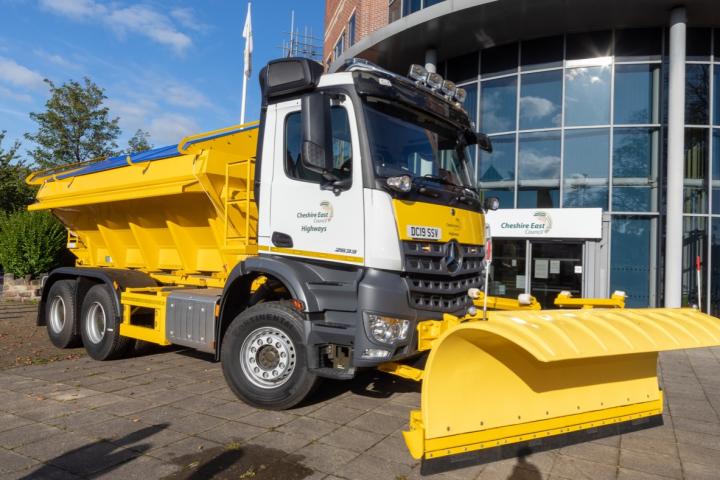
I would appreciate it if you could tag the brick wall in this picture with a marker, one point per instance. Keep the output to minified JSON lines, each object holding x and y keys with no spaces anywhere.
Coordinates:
{"x":20,"y":289}
{"x":370,"y":15}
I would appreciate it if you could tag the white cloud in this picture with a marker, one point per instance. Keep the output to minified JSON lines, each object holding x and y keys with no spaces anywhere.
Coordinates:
{"x":15,"y":74}
{"x":146,"y":21}
{"x":13,"y":95}
{"x":74,"y":8}
{"x":137,"y":19}
{"x":535,"y":108}
{"x":187,"y":18}
{"x":185,"y":96}
{"x":171,"y":128}
{"x":536,"y":165}
{"x":56,"y":59}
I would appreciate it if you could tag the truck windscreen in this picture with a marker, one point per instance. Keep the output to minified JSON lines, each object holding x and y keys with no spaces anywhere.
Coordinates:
{"x":405,"y":141}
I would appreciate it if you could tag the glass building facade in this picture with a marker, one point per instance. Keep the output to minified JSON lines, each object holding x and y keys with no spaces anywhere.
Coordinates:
{"x":579,"y":120}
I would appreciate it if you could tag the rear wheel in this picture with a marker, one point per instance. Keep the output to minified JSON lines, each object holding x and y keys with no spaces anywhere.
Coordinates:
{"x":60,"y":314}
{"x":100,"y":327}
{"x":264,"y":358}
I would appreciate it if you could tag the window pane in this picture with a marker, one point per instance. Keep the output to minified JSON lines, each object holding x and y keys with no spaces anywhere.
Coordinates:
{"x":716,"y":99}
{"x":470,"y":103}
{"x":696,"y":170}
{"x":630,"y":260}
{"x":539,"y":170}
{"x":698,"y":44}
{"x":587,"y":96}
{"x":542,"y":53}
{"x":633,"y":199}
{"x":505,"y":196}
{"x":636,"y":93}
{"x":410,"y":6}
{"x":538,"y":197}
{"x":464,"y":67}
{"x":540,"y":100}
{"x":498,"y":168}
{"x":635,"y":167}
{"x":638,"y":44}
{"x":715,"y":269}
{"x":511,"y":255}
{"x":716,"y":176}
{"x":694,"y":245}
{"x":499,"y":60}
{"x":586,"y":166}
{"x":351,"y":31}
{"x":697,"y":94}
{"x":497,"y":105}
{"x":588,"y":45}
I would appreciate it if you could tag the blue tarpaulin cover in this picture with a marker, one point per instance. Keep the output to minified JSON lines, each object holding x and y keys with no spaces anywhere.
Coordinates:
{"x":141,"y":157}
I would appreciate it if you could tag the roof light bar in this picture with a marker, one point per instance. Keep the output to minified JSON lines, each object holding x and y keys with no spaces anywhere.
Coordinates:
{"x":434,"y":80}
{"x":448,"y":89}
{"x":417,"y":73}
{"x":436,"y":83}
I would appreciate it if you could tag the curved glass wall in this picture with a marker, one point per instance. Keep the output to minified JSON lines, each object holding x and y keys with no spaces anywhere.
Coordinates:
{"x":578,"y":120}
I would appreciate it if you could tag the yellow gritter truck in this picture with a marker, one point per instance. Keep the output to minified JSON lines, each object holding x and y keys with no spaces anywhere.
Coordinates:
{"x":344,"y":231}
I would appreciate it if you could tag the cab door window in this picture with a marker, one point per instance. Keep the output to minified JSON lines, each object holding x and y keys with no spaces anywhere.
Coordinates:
{"x":341,"y":147}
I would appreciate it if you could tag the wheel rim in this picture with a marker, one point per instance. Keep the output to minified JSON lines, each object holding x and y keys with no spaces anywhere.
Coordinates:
{"x":95,"y":323}
{"x":267,"y":357}
{"x":57,"y":314}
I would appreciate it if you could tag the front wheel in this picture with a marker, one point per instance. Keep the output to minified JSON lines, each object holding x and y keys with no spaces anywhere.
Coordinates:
{"x":264,"y":358}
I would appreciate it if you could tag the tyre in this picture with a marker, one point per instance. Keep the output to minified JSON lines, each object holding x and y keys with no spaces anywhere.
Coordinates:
{"x":100,"y":327}
{"x":264,"y":359}
{"x":60,"y":314}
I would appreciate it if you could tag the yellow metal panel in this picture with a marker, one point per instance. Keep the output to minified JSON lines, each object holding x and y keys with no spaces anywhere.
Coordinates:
{"x":502,"y":303}
{"x":539,"y":372}
{"x":401,"y":370}
{"x":153,"y":298}
{"x":566,"y":300}
{"x":462,"y":225}
{"x":178,"y":217}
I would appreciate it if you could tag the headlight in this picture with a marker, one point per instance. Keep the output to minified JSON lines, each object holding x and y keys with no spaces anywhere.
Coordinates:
{"x":386,"y":329}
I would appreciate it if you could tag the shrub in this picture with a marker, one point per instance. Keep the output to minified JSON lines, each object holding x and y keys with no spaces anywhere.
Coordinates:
{"x":31,"y":243}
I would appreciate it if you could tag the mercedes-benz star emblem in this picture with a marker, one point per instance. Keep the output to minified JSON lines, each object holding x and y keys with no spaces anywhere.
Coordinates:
{"x":453,"y":256}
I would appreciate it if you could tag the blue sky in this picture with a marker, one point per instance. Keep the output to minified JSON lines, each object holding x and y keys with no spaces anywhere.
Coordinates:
{"x":168,"y":67}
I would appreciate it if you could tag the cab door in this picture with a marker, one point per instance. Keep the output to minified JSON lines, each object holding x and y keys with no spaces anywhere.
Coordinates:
{"x":307,"y":220}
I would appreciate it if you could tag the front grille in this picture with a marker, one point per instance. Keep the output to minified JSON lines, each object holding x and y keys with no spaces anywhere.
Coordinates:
{"x":440,"y":274}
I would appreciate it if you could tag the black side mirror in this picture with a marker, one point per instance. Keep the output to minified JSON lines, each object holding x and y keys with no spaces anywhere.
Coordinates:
{"x":483,"y":142}
{"x":316,"y":148}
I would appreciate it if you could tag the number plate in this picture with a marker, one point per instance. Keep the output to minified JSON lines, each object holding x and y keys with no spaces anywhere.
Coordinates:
{"x":424,"y":233}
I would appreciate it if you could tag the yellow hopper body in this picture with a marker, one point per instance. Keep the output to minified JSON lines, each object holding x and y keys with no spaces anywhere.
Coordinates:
{"x":187,"y":217}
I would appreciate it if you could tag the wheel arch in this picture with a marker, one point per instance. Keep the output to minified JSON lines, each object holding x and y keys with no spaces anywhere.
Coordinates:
{"x":236,"y":294}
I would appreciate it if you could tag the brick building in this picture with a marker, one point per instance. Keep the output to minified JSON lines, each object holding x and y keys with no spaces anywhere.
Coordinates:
{"x":347,"y":21}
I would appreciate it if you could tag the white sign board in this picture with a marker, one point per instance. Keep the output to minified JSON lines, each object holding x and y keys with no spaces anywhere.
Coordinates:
{"x":546,"y":223}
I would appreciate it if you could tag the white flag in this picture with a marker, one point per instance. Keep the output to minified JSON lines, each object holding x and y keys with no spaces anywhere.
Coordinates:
{"x":247,"y":35}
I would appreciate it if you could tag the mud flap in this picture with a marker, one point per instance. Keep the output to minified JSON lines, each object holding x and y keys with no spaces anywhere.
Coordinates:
{"x":542,"y":379}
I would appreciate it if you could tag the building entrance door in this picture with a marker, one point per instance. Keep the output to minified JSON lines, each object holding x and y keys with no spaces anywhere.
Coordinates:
{"x":555,"y":267}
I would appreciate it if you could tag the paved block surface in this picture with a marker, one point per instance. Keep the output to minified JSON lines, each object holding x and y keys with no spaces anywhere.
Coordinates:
{"x":169,"y":414}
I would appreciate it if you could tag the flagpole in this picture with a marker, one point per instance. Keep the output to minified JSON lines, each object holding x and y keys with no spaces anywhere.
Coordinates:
{"x":244,"y":93}
{"x":247,"y":67}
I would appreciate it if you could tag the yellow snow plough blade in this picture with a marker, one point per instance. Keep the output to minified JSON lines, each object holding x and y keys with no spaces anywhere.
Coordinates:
{"x":529,"y":378}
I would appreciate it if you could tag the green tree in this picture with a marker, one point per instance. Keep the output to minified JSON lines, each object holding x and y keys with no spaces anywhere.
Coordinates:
{"x":75,"y":126}
{"x":139,"y":142}
{"x":14,"y":192}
